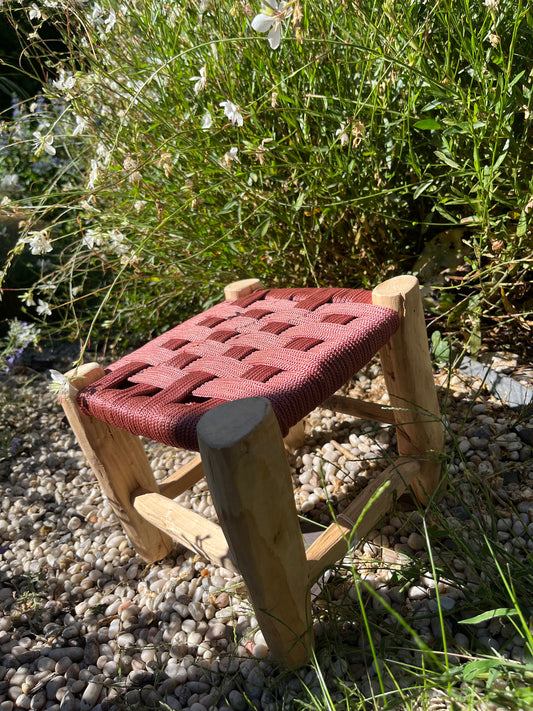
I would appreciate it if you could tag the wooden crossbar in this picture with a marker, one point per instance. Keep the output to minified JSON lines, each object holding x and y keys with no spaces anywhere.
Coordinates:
{"x":186,"y":476}
{"x":360,"y":408}
{"x":189,"y":528}
{"x":360,"y":517}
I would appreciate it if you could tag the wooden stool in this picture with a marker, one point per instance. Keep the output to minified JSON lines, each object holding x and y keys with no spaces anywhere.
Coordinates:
{"x":230,"y":383}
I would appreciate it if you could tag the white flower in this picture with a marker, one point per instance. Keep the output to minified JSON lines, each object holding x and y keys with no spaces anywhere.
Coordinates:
{"x":231,"y":156}
{"x":43,"y":308}
{"x":47,"y":288}
{"x":61,"y":385}
{"x":110,"y":21}
{"x":90,"y":238}
{"x":27,"y":298}
{"x":35,"y":13}
{"x":43,"y":143}
{"x":207,"y":120}
{"x":232,"y":112}
{"x":103,"y":152}
{"x":492,"y":5}
{"x":39,"y":242}
{"x":118,"y":242}
{"x":65,"y":82}
{"x":343,"y":135}
{"x":201,"y":80}
{"x":81,"y":125}
{"x":93,"y":175}
{"x":271,"y":19}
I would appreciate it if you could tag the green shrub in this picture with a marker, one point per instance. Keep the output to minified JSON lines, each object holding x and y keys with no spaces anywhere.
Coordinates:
{"x":328,"y":159}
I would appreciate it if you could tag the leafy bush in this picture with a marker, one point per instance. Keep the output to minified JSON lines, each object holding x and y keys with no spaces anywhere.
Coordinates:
{"x":215,"y":153}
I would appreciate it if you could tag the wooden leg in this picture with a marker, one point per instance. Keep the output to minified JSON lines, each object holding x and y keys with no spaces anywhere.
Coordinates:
{"x":295,"y":437}
{"x":119,"y":462}
{"x":409,"y":378}
{"x":249,"y":479}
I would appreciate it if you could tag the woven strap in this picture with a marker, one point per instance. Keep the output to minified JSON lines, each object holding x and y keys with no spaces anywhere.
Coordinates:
{"x":295,"y":347}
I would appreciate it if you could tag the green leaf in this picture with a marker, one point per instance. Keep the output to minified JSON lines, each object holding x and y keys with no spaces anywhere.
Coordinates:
{"x":422,"y":187}
{"x":262,"y":229}
{"x":490,"y":615}
{"x":449,"y":161}
{"x":521,"y":228}
{"x":440,"y":347}
{"x":299,"y":202}
{"x":473,"y":670}
{"x":428,"y":125}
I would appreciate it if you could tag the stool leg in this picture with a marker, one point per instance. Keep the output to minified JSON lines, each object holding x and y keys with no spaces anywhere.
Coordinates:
{"x":249,"y":479}
{"x":119,"y":462}
{"x":295,"y":437}
{"x":409,"y":378}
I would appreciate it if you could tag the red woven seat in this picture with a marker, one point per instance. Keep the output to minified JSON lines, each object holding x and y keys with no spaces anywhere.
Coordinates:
{"x":295,"y":347}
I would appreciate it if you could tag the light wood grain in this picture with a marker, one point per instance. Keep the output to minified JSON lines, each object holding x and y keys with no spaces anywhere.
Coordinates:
{"x":360,"y":408}
{"x":409,"y":379}
{"x":249,"y":479}
{"x":189,"y":528}
{"x":186,"y":476}
{"x":120,"y":464}
{"x":243,"y":287}
{"x":360,"y":517}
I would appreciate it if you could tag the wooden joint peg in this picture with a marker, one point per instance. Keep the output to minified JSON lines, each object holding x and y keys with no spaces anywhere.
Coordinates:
{"x":409,"y":379}
{"x":249,"y":478}
{"x":119,"y":462}
{"x":243,"y":287}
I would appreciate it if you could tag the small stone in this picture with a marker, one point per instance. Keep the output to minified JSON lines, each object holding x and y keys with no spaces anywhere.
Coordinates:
{"x":196,"y":611}
{"x":62,"y":665}
{"x":416,"y":592}
{"x":23,"y":702}
{"x":90,"y":696}
{"x":91,"y":652}
{"x":460,"y":513}
{"x":53,"y":686}
{"x":526,"y":435}
{"x":237,"y":700}
{"x":216,"y":631}
{"x":415,"y":541}
{"x":140,"y":677}
{"x":69,"y":702}
{"x":260,"y":651}
{"x":75,"y":654}
{"x":38,"y":701}
{"x":462,"y":641}
{"x":511,"y":476}
{"x":464,"y":445}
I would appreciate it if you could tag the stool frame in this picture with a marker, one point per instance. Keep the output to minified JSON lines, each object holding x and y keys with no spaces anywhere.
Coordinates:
{"x":264,"y":542}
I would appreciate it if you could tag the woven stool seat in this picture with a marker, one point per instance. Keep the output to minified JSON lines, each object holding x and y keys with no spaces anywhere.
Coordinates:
{"x":295,"y":347}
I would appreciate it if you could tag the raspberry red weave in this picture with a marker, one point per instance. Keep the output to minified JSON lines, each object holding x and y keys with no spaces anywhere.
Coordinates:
{"x":295,"y":347}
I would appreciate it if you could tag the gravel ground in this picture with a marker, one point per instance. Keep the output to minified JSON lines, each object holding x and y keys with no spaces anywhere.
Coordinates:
{"x":86,"y":624}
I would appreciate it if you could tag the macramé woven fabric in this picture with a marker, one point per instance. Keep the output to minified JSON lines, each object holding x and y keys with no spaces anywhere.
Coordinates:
{"x":295,"y":347}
